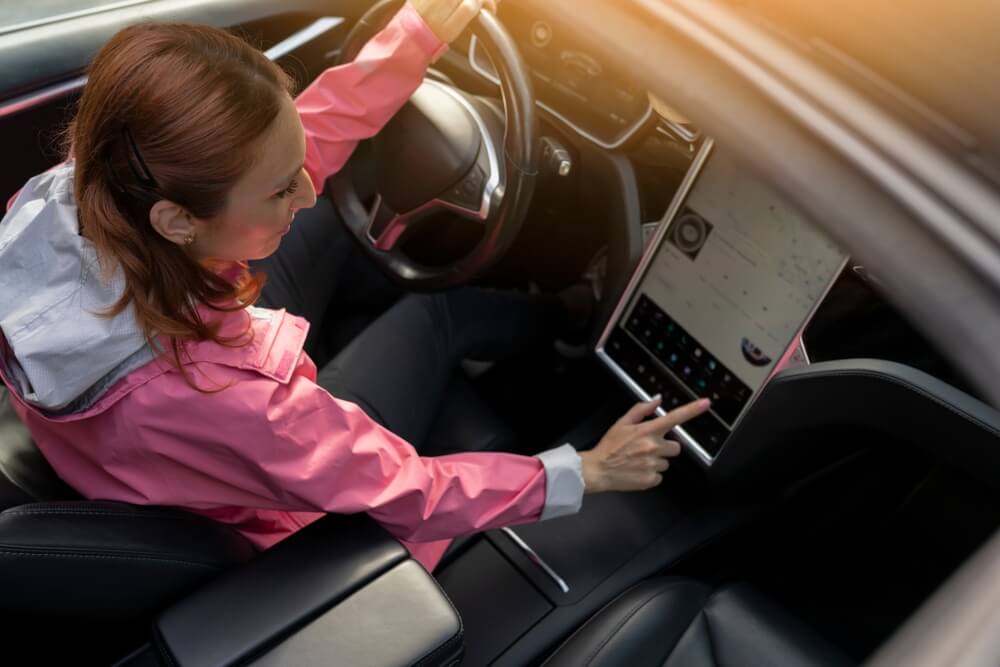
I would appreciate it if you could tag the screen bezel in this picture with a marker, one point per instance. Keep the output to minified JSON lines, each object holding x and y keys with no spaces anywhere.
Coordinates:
{"x":649,"y":252}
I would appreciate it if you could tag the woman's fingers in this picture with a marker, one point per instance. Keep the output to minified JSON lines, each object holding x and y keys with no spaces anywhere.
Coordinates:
{"x":659,"y":450}
{"x":659,"y":465}
{"x":663,"y":425}
{"x":652,"y":445}
{"x":669,"y":448}
{"x":448,"y":18}
{"x":633,"y":455}
{"x":463,"y":14}
{"x":640,"y":411}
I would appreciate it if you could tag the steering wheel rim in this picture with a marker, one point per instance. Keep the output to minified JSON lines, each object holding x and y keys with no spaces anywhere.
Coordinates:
{"x":502,"y":194}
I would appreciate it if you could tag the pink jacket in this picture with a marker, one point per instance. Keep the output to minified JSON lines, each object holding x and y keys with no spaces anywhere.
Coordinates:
{"x":274,"y":451}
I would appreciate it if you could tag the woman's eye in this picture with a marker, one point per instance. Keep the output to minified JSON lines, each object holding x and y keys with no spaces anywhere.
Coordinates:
{"x":290,"y":190}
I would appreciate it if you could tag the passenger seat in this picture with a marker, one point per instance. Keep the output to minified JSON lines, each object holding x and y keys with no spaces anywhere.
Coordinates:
{"x":676,"y":622}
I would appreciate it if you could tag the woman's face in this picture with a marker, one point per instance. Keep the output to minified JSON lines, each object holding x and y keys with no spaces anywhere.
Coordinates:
{"x":263,"y":203}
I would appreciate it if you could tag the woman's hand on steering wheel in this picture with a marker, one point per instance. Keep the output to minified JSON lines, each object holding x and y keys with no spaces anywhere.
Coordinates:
{"x":448,"y":18}
{"x":633,"y":454}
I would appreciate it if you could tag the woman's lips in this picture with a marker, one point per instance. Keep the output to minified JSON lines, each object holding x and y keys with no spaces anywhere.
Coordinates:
{"x":291,"y":219}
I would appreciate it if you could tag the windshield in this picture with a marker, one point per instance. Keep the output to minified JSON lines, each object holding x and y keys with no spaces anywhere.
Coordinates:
{"x":938,"y":59}
{"x":19,"y":14}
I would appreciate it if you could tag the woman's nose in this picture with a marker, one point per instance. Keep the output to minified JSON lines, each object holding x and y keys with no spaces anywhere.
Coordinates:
{"x":307,"y":195}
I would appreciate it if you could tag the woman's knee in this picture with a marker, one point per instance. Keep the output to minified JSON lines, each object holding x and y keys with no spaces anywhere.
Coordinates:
{"x":444,"y":307}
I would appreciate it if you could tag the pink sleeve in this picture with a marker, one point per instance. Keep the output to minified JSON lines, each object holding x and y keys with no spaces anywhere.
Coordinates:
{"x":294,"y":447}
{"x":354,"y":101}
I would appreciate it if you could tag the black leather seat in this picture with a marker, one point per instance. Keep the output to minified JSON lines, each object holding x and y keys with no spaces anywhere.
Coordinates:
{"x":25,"y":476}
{"x":81,"y":579}
{"x":676,"y":622}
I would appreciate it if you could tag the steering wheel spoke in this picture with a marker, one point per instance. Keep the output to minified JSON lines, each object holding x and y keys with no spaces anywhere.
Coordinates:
{"x":446,"y":152}
{"x":383,"y":229}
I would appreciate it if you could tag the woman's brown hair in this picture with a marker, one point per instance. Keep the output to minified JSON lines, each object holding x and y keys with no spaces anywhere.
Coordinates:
{"x":170,"y":111}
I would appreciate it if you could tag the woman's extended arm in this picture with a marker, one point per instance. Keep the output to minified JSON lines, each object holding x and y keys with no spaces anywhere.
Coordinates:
{"x":354,"y":101}
{"x":292,"y":446}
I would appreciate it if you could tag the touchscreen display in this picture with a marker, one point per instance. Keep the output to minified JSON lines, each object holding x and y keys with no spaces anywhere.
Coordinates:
{"x":733,"y":280}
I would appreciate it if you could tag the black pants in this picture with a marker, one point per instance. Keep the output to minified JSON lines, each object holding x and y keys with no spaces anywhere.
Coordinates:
{"x":397,"y":368}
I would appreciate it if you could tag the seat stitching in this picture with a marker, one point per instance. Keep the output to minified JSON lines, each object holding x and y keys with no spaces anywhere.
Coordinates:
{"x":165,"y":654}
{"x":711,"y":638}
{"x":13,"y":552}
{"x":635,"y":610}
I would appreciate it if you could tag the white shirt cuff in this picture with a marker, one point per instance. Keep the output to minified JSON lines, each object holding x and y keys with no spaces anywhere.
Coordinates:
{"x":563,"y":481}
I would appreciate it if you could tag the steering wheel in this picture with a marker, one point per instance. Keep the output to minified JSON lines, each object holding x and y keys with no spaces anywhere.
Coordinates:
{"x":446,"y":151}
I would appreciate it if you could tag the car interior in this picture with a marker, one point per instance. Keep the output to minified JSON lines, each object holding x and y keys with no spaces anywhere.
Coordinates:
{"x":802,"y":526}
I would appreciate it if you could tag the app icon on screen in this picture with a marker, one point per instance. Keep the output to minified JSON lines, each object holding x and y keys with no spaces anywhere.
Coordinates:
{"x":754,"y":354}
{"x":689,"y":232}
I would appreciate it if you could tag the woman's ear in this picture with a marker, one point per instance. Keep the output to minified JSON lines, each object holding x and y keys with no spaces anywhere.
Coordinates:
{"x":172,"y":222}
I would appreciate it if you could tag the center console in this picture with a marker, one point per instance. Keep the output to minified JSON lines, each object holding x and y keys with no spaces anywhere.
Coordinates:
{"x":340,"y":591}
{"x":522,"y":591}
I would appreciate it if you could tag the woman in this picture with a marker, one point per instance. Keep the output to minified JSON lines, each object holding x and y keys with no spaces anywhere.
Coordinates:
{"x":144,"y":374}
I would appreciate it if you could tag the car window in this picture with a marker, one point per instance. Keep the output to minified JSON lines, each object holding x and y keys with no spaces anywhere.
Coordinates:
{"x":937,"y":58}
{"x":19,"y":14}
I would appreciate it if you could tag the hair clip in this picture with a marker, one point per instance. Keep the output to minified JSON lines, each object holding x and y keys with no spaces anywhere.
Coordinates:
{"x":135,"y":162}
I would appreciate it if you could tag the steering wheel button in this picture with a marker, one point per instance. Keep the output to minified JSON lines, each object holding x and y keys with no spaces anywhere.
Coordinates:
{"x":468,"y":192}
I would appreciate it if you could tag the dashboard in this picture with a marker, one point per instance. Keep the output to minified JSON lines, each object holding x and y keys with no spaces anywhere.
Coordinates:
{"x":581,"y":88}
{"x":578,"y":86}
{"x":574,"y":84}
